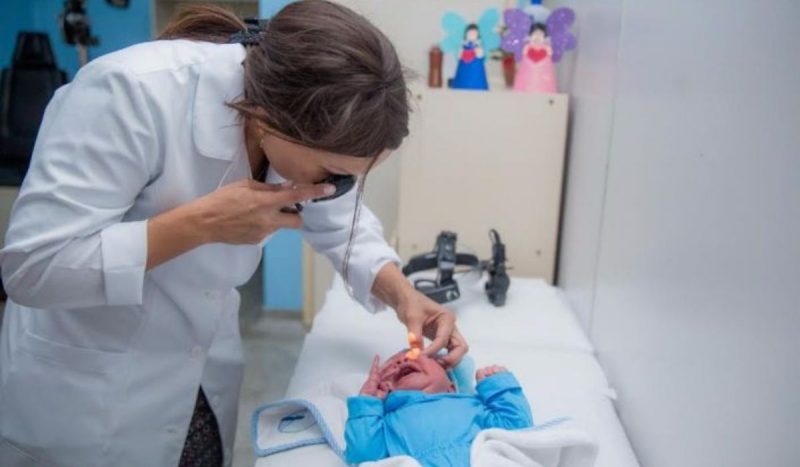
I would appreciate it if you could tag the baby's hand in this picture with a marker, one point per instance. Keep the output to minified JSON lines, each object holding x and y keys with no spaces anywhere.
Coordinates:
{"x":488,"y":371}
{"x":372,"y":386}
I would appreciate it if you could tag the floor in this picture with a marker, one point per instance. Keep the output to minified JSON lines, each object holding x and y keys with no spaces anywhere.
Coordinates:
{"x":272,"y":343}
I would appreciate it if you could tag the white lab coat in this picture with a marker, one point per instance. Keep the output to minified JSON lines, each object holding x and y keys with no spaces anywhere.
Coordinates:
{"x":100,"y":361}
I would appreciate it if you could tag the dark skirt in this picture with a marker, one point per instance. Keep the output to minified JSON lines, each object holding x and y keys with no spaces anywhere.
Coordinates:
{"x":203,"y":446}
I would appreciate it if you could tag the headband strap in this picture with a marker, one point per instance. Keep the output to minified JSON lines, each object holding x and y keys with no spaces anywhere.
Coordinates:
{"x":251,"y":35}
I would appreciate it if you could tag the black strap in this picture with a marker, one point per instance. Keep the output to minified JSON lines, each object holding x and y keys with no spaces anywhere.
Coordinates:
{"x":430,"y":261}
{"x":251,"y":35}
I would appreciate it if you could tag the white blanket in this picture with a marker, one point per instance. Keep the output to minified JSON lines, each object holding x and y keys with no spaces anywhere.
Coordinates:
{"x":319,"y":417}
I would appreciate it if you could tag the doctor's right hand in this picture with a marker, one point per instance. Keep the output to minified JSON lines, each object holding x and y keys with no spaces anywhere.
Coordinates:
{"x":244,"y":212}
{"x":247,"y":211}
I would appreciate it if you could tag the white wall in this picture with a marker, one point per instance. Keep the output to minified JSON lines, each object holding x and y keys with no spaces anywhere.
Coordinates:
{"x":696,"y":304}
{"x":589,"y":74}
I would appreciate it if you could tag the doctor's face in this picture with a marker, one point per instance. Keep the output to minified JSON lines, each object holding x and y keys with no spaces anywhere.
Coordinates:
{"x":302,"y":164}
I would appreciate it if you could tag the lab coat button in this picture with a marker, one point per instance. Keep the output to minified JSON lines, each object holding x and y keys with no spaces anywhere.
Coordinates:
{"x":197,"y":353}
{"x":215,"y":401}
{"x":212,"y":294}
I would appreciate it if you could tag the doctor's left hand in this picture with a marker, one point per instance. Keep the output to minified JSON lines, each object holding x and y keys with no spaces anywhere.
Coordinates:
{"x":424,"y":317}
{"x":421,"y":315}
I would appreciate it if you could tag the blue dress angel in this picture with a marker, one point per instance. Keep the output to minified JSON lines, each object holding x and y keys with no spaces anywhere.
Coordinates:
{"x":470,"y":42}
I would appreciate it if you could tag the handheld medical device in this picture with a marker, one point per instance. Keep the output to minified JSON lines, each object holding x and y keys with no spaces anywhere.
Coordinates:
{"x":444,"y":258}
{"x":343,"y":184}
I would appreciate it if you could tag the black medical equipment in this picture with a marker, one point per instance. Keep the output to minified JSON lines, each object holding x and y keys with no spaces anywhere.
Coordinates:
{"x":76,"y":27}
{"x":498,"y":282}
{"x":26,"y":87}
{"x":444,"y":258}
{"x":343,"y":184}
{"x":251,"y":35}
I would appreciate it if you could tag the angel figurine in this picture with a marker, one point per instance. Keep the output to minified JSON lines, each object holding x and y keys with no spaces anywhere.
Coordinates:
{"x":536,"y":46}
{"x":470,"y":42}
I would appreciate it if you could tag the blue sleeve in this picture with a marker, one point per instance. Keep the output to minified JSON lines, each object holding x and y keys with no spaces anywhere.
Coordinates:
{"x":505,"y":404}
{"x":363,"y":433}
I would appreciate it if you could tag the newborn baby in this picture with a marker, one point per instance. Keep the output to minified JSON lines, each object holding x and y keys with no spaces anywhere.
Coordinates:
{"x":409,"y":407}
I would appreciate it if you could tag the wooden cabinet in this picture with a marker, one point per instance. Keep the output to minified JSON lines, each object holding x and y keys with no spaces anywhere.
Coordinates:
{"x":481,"y":160}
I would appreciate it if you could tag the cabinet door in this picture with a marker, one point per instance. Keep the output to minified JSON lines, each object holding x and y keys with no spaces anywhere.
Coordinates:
{"x":481,"y":160}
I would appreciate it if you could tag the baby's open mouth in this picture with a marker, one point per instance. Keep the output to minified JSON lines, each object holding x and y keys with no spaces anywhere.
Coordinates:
{"x":406,"y":370}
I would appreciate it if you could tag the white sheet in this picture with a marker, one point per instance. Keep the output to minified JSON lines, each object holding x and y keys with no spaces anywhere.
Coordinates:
{"x":536,"y":336}
{"x":535,"y":315}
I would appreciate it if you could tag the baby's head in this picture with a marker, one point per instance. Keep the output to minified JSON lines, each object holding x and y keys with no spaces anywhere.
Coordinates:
{"x":421,"y":374}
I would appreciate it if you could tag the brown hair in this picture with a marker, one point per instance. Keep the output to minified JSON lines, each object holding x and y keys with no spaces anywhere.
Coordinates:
{"x":321,"y":75}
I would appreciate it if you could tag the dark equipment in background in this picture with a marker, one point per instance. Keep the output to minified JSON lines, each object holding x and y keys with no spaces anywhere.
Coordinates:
{"x":498,"y":282}
{"x":25,"y":89}
{"x":76,"y":27}
{"x":444,"y":258}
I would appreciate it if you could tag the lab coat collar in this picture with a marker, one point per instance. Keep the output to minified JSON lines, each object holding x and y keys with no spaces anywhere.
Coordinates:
{"x":217,"y":128}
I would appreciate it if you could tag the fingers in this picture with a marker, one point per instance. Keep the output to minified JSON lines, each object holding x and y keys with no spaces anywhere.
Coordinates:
{"x":457,"y":348}
{"x":301,"y":193}
{"x":383,"y":391}
{"x":376,"y":364}
{"x":288,"y":220}
{"x":370,"y":387}
{"x":445,"y":325}
{"x":261,"y":186}
{"x":489,"y":371}
{"x":288,"y":193}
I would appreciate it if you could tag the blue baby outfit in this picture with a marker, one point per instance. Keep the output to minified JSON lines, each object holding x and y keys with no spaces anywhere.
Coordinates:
{"x":435,"y":429}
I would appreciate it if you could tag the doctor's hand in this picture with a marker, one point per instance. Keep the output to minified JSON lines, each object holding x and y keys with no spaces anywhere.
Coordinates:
{"x":424,"y":317}
{"x":421,"y":315}
{"x":245,"y":212}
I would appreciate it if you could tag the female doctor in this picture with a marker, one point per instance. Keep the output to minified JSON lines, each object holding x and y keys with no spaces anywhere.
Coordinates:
{"x":145,"y":206}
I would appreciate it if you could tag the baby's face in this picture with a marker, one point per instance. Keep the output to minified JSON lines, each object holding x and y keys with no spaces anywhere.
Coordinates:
{"x":422,"y":374}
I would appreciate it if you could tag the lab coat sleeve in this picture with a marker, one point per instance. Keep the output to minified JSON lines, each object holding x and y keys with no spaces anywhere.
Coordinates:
{"x":326,"y":226}
{"x":364,"y":431}
{"x":504,"y":402}
{"x":67,"y":245}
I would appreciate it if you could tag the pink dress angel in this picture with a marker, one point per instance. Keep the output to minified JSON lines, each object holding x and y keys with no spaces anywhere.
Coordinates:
{"x":536,"y":46}
{"x":535,"y":72}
